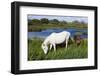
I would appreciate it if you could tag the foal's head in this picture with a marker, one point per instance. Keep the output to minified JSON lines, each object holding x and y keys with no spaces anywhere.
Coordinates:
{"x":77,"y":39}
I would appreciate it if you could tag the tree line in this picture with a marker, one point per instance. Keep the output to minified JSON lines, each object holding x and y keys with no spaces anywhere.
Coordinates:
{"x":53,"y":21}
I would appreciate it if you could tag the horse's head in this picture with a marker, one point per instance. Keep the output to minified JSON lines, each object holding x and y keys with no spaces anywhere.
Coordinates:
{"x":45,"y":48}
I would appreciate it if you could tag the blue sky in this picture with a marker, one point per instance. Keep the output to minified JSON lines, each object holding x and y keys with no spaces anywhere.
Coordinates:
{"x":60,"y":18}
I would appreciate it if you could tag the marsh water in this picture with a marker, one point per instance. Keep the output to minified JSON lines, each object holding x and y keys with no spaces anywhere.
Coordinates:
{"x":47,"y":32}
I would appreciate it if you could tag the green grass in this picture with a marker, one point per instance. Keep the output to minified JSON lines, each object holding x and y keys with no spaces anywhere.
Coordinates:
{"x":72,"y":52}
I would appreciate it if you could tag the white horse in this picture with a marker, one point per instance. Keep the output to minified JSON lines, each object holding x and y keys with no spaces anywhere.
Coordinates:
{"x":55,"y":38}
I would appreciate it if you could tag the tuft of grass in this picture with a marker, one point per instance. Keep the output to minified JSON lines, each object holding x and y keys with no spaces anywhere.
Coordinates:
{"x":73,"y":51}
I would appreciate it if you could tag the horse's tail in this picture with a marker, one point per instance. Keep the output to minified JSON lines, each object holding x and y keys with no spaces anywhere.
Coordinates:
{"x":71,"y":40}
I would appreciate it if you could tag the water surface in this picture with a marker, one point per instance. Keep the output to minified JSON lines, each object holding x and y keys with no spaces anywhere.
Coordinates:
{"x":47,"y":32}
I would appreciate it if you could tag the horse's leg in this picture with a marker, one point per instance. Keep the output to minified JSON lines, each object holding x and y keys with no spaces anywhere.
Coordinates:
{"x":50,"y":46}
{"x":67,"y":42}
{"x":54,"y":46}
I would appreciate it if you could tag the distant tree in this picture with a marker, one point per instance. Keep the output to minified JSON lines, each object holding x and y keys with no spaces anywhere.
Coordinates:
{"x":79,"y":24}
{"x":35,"y":21}
{"x":54,"y":21}
{"x":82,"y":22}
{"x":29,"y":22}
{"x":76,"y":22}
{"x":44,"y":20}
{"x":64,"y":22}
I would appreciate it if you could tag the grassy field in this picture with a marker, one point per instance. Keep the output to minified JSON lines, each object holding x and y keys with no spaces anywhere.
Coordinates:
{"x":73,"y":52}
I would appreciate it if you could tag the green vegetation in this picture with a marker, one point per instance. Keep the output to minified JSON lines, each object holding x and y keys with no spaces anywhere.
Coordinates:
{"x":73,"y":52}
{"x":42,"y":24}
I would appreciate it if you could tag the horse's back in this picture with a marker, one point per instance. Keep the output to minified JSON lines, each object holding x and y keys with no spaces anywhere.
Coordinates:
{"x":59,"y":37}
{"x":63,"y":33}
